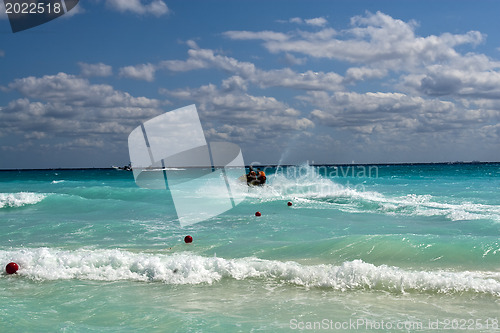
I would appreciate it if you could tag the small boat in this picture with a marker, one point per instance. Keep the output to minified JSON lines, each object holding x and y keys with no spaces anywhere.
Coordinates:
{"x":125,"y":167}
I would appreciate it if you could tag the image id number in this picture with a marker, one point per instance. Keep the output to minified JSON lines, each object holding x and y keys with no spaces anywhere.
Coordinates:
{"x":33,"y":8}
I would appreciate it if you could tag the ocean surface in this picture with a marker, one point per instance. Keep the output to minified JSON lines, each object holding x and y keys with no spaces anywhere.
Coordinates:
{"x":411,"y":248}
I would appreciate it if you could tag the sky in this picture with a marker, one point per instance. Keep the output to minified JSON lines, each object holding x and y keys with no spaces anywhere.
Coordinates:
{"x":289,"y":81}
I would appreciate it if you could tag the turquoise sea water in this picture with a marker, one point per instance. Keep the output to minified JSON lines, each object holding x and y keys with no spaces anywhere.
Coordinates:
{"x":363,"y":248}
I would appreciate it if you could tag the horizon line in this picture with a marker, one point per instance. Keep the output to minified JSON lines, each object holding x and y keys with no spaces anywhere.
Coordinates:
{"x":276,"y":165}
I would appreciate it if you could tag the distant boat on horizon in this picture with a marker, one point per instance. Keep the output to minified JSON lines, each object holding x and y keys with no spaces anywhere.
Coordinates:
{"x":124,"y":168}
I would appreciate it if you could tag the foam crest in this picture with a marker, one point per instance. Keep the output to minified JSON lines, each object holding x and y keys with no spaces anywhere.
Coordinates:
{"x":310,"y":187}
{"x":20,"y":199}
{"x":186,"y":268}
{"x":426,"y":205}
{"x":303,"y":183}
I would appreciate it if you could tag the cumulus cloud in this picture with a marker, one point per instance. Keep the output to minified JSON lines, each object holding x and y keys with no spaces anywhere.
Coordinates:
{"x":373,"y":40}
{"x":71,"y":108}
{"x":297,"y":20}
{"x":317,"y":21}
{"x":144,"y":72}
{"x":354,"y":74}
{"x":285,"y":77}
{"x":394,"y":115}
{"x":290,"y":59}
{"x":419,"y":70}
{"x":429,"y":67}
{"x":154,"y":7}
{"x":208,"y":59}
{"x":99,"y":69}
{"x":241,"y":116}
{"x":265,"y":35}
{"x":66,"y":88}
{"x":471,"y":76}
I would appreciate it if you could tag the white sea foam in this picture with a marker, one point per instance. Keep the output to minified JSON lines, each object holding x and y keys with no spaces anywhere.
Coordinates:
{"x":57,"y":181}
{"x":311,"y":188}
{"x":20,"y":199}
{"x":186,"y":268}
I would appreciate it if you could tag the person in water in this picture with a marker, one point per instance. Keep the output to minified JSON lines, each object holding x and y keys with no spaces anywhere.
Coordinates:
{"x":256,"y":178}
{"x":251,"y":177}
{"x":261,"y":178}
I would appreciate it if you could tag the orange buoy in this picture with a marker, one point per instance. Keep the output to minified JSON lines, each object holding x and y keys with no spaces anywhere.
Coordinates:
{"x":11,"y":268}
{"x":289,"y":203}
{"x":188,"y":239}
{"x":258,"y":214}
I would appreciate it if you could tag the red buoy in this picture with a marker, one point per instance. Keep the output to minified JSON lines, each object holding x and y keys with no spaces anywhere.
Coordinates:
{"x":11,"y":268}
{"x":188,"y":239}
{"x":289,"y":203}
{"x":258,"y":214}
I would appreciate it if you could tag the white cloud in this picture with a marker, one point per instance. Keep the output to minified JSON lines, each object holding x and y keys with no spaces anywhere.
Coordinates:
{"x":65,"y":88}
{"x":70,"y":108}
{"x":240,"y":116}
{"x":286,"y":77}
{"x":373,"y":40}
{"x":429,"y":67}
{"x":98,"y":69}
{"x":471,"y":76}
{"x":235,"y":83}
{"x":154,"y":7}
{"x":297,"y":20}
{"x":205,"y":58}
{"x":318,"y":36}
{"x":293,"y":60}
{"x":308,"y":80}
{"x":198,"y":59}
{"x":318,"y":21}
{"x":144,"y":72}
{"x":393,"y":115}
{"x":383,"y":45}
{"x":248,"y":35}
{"x":362,"y":73}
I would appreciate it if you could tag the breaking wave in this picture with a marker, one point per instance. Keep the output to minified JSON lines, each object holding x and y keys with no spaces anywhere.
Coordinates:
{"x":20,"y":199}
{"x":311,"y":190}
{"x":186,"y":268}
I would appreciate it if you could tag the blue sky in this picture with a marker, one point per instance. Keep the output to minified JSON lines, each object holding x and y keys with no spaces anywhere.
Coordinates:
{"x":291,"y":81}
